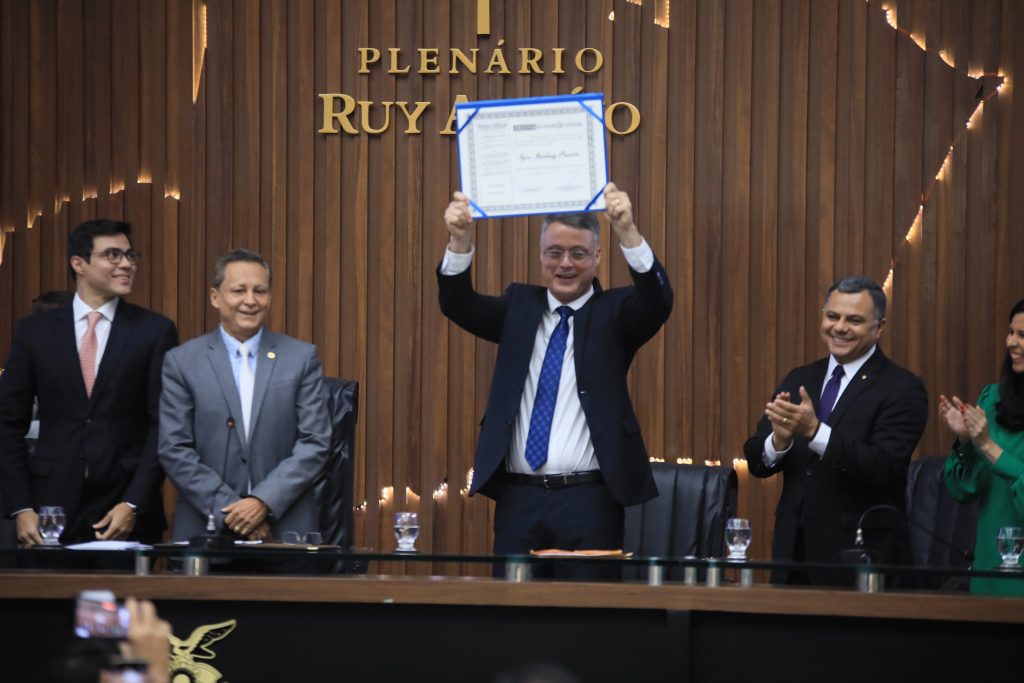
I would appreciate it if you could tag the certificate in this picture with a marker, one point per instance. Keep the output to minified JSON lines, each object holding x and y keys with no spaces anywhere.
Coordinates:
{"x":535,"y":155}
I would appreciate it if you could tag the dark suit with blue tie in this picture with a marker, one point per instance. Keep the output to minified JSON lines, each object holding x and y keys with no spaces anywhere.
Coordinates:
{"x":876,"y":424}
{"x":607,"y":332}
{"x":93,"y":452}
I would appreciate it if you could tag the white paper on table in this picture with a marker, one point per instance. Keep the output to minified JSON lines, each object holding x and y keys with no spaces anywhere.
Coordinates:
{"x":526,"y":156}
{"x":109,"y":545}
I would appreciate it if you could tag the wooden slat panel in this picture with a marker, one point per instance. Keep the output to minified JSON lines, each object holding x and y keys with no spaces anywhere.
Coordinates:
{"x":782,"y":143}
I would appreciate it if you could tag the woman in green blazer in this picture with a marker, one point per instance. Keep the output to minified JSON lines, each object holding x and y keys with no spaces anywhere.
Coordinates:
{"x":987,"y":461}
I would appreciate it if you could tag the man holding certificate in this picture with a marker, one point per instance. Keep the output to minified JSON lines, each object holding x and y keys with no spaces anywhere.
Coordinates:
{"x":560,"y":448}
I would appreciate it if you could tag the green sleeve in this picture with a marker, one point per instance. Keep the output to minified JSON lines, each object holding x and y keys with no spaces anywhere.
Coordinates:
{"x":966,"y":473}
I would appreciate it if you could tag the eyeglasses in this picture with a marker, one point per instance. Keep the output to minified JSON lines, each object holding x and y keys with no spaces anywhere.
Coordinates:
{"x":114,"y":255}
{"x":556,"y":254}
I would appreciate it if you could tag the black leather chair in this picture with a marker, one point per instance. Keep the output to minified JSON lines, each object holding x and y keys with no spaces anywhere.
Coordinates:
{"x":334,"y":490}
{"x":941,"y":529}
{"x":687,"y":518}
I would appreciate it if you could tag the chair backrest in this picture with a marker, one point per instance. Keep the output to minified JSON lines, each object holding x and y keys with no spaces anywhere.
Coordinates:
{"x":941,"y":529}
{"x":687,"y":518}
{"x":334,"y":489}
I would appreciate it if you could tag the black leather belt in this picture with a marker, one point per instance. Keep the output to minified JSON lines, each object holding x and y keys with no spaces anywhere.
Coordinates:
{"x":554,"y":481}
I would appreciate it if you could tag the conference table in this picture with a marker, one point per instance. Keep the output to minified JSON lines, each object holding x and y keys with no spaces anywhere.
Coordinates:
{"x":394,"y":624}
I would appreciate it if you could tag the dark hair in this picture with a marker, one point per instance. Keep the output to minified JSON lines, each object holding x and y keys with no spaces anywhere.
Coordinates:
{"x":235,"y":255}
{"x":852,"y":284}
{"x":582,"y":221}
{"x":1010,"y":408}
{"x":80,"y":241}
{"x":47,"y":301}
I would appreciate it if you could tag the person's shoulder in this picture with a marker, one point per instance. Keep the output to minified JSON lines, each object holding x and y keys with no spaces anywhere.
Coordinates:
{"x":43,"y":320}
{"x":191,"y":347}
{"x":279,"y":340}
{"x":989,"y":394}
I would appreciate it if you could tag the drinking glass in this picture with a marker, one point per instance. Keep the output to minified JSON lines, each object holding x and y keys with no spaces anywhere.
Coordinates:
{"x":737,"y":537}
{"x":407,"y":530}
{"x":1011,"y":545}
{"x":51,"y":524}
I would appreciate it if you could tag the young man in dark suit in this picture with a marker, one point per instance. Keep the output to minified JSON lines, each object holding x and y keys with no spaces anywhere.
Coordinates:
{"x":94,"y":365}
{"x":560,"y":448}
{"x":841,"y":431}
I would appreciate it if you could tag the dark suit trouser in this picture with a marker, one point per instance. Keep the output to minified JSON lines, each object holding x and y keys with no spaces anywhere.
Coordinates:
{"x":584,"y":517}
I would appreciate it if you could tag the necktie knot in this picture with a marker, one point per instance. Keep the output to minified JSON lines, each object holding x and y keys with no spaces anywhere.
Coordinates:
{"x":93,"y":317}
{"x":243,"y":350}
{"x":838,"y":372}
{"x":564,"y":312}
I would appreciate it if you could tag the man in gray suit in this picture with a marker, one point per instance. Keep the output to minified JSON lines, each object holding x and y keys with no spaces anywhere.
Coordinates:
{"x":244,"y":430}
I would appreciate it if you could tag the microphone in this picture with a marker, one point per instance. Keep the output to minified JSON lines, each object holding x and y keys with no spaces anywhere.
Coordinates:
{"x":213,"y":539}
{"x":861,"y":554}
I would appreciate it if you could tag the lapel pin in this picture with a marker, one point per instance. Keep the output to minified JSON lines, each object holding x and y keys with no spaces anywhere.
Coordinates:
{"x":271,"y":355}
{"x":863,"y":376}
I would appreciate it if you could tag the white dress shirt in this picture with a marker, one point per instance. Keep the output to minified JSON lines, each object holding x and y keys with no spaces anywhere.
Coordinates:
{"x":570,"y":448}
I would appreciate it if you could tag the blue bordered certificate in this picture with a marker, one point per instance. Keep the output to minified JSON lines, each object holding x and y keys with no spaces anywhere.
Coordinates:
{"x":534,"y":155}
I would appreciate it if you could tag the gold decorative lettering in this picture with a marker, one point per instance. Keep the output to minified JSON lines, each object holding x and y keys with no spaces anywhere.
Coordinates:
{"x":365,"y":106}
{"x":529,"y":58}
{"x":498,"y":60}
{"x":342,"y":117}
{"x":367,"y":56}
{"x":609,"y":114}
{"x":450,"y":128}
{"x":395,"y":54}
{"x":455,"y":56}
{"x":411,"y":119}
{"x":598,"y":60}
{"x":428,"y":61}
{"x":558,"y":52}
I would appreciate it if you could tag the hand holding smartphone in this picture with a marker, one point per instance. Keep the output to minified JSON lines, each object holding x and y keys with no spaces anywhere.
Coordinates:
{"x":99,"y":615}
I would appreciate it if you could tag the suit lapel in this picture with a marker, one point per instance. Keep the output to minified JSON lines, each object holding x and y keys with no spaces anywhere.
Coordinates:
{"x":217,"y":354}
{"x":67,"y":350}
{"x":865,"y":377}
{"x":264,"y":370}
{"x":121,"y":330}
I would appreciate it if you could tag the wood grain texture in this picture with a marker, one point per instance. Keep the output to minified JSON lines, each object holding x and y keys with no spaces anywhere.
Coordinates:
{"x":783,"y":143}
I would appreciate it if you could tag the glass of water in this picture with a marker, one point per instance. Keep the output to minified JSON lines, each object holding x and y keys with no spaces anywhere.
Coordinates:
{"x":1011,"y":545}
{"x":51,"y":524}
{"x":737,"y":537}
{"x":407,"y":530}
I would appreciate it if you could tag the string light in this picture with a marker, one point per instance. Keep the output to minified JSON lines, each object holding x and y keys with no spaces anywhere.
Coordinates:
{"x":916,"y":226}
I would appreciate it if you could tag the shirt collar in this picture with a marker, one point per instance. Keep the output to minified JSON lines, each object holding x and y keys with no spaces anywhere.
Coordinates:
{"x":232,"y":344}
{"x":82,"y":309}
{"x":849,"y":369}
{"x":576,"y":304}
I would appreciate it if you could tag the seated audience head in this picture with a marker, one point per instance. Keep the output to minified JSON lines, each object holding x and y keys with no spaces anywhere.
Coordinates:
{"x":47,"y":301}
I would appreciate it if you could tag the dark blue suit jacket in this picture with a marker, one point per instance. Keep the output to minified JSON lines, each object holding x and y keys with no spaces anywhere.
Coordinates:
{"x":876,"y":425}
{"x":113,"y":432}
{"x":607,"y":333}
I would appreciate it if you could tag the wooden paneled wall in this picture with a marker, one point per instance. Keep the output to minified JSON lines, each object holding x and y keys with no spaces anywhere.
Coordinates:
{"x":782,"y":143}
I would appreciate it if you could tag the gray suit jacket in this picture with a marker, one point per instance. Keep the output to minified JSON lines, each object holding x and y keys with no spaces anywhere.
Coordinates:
{"x":202,"y":444}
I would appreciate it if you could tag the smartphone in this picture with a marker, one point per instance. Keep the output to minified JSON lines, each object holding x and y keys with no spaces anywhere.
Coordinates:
{"x":99,"y":615}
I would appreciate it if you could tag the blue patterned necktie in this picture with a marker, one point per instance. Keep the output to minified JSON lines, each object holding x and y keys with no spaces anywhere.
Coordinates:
{"x":547,"y":393}
{"x":831,"y":393}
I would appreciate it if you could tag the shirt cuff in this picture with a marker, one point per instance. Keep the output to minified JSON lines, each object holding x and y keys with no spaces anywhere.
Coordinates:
{"x":640,"y":258}
{"x":456,"y":264}
{"x":820,"y":441}
{"x":769,"y":456}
